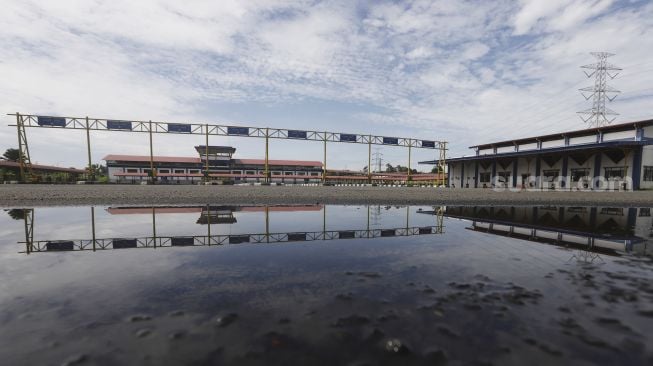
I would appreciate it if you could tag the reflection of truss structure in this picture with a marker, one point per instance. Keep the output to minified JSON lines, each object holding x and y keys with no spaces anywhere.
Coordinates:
{"x":155,"y":241}
{"x":586,"y":255}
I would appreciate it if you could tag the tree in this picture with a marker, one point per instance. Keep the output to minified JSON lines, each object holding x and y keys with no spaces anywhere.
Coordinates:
{"x":389,"y":168}
{"x":11,"y":154}
{"x":436,"y":169}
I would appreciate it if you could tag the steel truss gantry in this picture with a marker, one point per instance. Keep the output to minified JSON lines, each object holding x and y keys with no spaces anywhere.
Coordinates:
{"x":151,"y":127}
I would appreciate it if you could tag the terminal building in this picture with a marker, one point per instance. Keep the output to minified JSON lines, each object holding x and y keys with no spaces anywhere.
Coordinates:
{"x":617,"y":156}
{"x":221,"y":167}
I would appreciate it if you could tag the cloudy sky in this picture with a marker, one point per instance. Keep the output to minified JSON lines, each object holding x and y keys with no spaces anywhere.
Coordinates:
{"x":462,"y":71}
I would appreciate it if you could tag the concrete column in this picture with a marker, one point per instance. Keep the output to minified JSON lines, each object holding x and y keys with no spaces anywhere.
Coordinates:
{"x":637,"y":167}
{"x":462,"y":175}
{"x":597,"y":167}
{"x":514,"y":172}
{"x":565,"y":165}
{"x":538,"y":166}
{"x":449,"y":172}
{"x":476,"y":174}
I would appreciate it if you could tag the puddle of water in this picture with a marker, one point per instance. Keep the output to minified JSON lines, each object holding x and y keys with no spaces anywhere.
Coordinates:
{"x":326,"y":285}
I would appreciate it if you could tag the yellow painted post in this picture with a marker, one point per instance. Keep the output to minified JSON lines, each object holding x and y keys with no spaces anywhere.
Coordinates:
{"x":409,"y":150}
{"x":21,"y":158}
{"x":152,"y":172}
{"x":267,"y":163}
{"x":267,"y":224}
{"x":369,"y":160}
{"x":324,"y":166}
{"x":91,"y":173}
{"x":153,"y":227}
{"x":206,"y":154}
{"x":208,"y":226}
{"x":93,"y":225}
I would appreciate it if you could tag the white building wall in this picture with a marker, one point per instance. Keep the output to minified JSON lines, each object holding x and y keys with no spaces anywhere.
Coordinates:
{"x":621,"y":135}
{"x":590,"y":139}
{"x":553,"y":143}
{"x":531,"y":146}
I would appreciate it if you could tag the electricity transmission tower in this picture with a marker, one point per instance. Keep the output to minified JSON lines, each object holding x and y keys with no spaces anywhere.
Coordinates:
{"x":597,"y":116}
{"x":378,"y":159}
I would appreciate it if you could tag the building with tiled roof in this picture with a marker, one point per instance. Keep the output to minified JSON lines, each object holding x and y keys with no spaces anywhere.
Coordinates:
{"x":221,"y":167}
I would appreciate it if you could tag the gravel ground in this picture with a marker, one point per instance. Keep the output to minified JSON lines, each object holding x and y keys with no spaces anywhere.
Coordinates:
{"x":68,"y":195}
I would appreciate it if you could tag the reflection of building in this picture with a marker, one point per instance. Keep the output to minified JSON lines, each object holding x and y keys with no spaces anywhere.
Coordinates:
{"x":210,"y":214}
{"x":612,"y":153}
{"x":603,"y":228}
{"x":221,"y":166}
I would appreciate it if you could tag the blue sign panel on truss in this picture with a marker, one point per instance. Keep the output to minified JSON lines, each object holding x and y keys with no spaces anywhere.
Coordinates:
{"x":294,"y":134}
{"x":178,"y":127}
{"x":119,"y":125}
{"x":52,"y":121}
{"x":391,"y":141}
{"x":344,"y":137}
{"x":238,"y":131}
{"x":426,"y":143}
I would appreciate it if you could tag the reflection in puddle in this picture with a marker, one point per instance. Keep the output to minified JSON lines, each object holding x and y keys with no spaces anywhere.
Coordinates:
{"x":335,"y":285}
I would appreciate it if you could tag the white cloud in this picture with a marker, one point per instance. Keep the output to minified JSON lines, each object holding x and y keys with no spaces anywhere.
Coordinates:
{"x":457,"y":70}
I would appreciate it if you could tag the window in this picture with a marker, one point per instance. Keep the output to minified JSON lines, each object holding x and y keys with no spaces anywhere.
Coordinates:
{"x":615,"y":172}
{"x":484,"y":177}
{"x":648,"y":174}
{"x":314,"y":174}
{"x":644,"y":212}
{"x":236,"y":172}
{"x":146,"y":170}
{"x":132,"y":170}
{"x":301,"y":173}
{"x":276,"y":173}
{"x":288,"y":173}
{"x":164,"y":171}
{"x":551,"y":174}
{"x":250,"y":172}
{"x":194,"y":171}
{"x":578,"y":174}
{"x":612,"y":211}
{"x":504,"y":176}
{"x":180,"y":171}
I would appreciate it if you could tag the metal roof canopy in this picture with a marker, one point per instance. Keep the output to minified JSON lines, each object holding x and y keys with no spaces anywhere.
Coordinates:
{"x":575,"y":133}
{"x":554,"y":150}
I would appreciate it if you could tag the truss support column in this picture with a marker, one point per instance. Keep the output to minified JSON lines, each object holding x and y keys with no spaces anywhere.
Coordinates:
{"x":93,"y":225}
{"x":28,"y":217}
{"x":91,"y":173}
{"x":324,"y":166}
{"x":24,"y":161}
{"x":369,"y":160}
{"x":20,"y":147}
{"x":267,"y":224}
{"x":267,"y":156}
{"x":153,"y":227}
{"x":206,"y":156}
{"x":152,"y":171}
{"x":409,"y":151}
{"x":208,"y":225}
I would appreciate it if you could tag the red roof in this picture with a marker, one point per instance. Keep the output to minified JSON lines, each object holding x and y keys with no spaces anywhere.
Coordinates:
{"x":14,"y":164}
{"x":278,"y":162}
{"x":158,"y":159}
{"x":181,"y":159}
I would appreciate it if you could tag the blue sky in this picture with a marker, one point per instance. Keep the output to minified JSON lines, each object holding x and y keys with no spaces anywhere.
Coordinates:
{"x":462,"y":71}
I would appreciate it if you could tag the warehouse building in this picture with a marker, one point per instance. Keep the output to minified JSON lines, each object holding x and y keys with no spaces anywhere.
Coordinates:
{"x":221,"y":167}
{"x":614,"y":157}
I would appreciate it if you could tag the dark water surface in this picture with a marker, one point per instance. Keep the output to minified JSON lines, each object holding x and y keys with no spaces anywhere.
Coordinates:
{"x":326,"y":285}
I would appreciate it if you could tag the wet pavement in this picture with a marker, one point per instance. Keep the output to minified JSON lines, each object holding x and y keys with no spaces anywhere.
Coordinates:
{"x":313,"y":284}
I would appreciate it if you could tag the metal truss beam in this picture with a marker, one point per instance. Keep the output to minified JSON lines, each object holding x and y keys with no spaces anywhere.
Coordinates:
{"x":103,"y":124}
